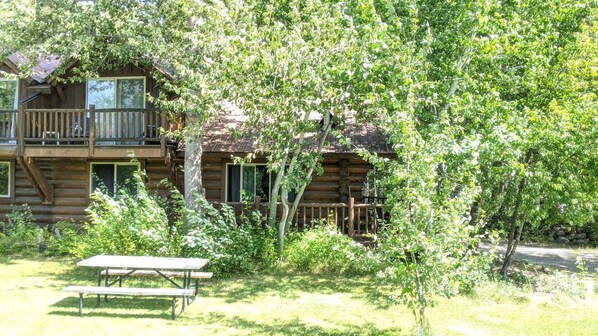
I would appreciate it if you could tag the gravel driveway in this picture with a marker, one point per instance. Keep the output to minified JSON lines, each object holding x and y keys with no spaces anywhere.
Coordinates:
{"x":558,"y":257}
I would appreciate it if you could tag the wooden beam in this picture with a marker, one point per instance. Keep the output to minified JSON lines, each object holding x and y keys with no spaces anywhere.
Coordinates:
{"x":61,"y":94}
{"x":66,"y":151}
{"x":35,"y":175}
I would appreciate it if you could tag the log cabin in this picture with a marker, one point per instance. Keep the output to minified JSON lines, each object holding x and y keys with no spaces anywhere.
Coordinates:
{"x":60,"y":140}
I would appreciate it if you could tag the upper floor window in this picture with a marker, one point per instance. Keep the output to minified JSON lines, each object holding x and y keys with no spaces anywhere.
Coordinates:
{"x":113,"y":177}
{"x":5,"y":178}
{"x":8,"y":94}
{"x":124,"y":92}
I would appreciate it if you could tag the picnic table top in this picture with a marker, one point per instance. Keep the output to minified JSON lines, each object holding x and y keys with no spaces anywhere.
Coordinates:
{"x":141,"y":262}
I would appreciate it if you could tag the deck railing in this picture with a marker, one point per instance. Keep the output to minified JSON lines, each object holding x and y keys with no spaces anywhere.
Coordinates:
{"x":89,"y":126}
{"x":351,"y":218}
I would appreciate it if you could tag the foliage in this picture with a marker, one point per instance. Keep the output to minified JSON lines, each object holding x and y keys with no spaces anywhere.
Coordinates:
{"x":325,"y":250}
{"x":129,"y":224}
{"x":68,"y":239}
{"x":20,"y":232}
{"x":231,"y":248}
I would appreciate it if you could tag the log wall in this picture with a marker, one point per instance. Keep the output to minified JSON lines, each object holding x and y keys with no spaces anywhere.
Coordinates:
{"x":70,"y":181}
{"x":342,"y":177}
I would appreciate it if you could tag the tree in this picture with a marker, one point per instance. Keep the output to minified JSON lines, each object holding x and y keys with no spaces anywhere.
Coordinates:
{"x":417,"y":84}
{"x":287,"y":70}
{"x":481,"y":99}
{"x":538,"y":161}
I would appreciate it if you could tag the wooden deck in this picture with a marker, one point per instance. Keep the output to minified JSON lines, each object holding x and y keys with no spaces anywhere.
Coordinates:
{"x":82,"y":132}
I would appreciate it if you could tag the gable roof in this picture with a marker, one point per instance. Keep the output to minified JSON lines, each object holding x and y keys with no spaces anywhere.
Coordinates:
{"x":218,"y":137}
{"x":41,"y":71}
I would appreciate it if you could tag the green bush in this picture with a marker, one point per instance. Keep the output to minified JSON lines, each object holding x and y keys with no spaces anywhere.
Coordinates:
{"x":232,"y":248}
{"x":20,"y":232}
{"x":323,"y":249}
{"x":132,"y":223}
{"x":68,"y":239}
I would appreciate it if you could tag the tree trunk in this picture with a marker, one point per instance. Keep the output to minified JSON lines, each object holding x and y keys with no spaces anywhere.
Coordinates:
{"x":514,"y":230}
{"x":284,"y":200}
{"x":193,"y":182}
{"x":274,"y":194}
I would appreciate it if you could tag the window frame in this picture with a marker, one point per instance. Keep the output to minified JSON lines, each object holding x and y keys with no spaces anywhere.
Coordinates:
{"x":115,"y":164}
{"x":115,"y":79}
{"x":16,"y":81}
{"x":226,"y":176}
{"x":11,"y":179}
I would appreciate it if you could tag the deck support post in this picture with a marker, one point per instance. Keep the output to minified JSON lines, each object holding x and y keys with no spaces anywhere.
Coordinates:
{"x":21,"y":130}
{"x":351,"y":216}
{"x":92,"y":127}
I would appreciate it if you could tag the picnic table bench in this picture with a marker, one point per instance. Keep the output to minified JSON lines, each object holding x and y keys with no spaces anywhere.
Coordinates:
{"x":131,"y":291}
{"x":122,"y":273}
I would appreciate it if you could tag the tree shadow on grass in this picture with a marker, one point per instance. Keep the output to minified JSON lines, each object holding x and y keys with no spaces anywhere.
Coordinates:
{"x":290,"y":327}
{"x":152,"y":307}
{"x":290,"y":285}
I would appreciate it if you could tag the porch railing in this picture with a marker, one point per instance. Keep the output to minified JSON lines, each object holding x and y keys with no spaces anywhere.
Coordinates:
{"x":351,"y":218}
{"x":86,"y":126}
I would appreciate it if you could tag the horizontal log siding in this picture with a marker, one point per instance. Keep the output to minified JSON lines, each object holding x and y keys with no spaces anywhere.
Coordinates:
{"x":324,"y":188}
{"x":70,"y":180}
{"x":213,"y":178}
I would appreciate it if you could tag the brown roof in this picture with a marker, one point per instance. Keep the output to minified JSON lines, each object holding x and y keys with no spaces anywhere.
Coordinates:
{"x":218,"y":137}
{"x":44,"y":68}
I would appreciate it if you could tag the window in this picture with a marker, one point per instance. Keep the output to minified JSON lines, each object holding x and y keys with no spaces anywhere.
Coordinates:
{"x":247,"y":181}
{"x":118,"y":93}
{"x":8,"y":103}
{"x":113,"y":177}
{"x":5,"y":178}
{"x":106,"y":93}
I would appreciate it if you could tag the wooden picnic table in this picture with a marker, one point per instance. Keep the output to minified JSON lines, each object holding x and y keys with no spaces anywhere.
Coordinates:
{"x":122,"y":267}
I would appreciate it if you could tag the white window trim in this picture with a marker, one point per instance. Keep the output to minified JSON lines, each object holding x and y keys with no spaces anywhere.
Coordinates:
{"x":91,"y":190}
{"x":10,"y":178}
{"x":241,"y":178}
{"x":115,"y":79}
{"x":16,"y":102}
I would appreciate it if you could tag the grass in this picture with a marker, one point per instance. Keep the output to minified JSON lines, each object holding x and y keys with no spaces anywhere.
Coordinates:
{"x":32,"y":303}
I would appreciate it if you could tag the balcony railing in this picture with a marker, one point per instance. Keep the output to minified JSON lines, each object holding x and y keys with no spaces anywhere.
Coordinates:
{"x":350,"y":218}
{"x":60,"y":127}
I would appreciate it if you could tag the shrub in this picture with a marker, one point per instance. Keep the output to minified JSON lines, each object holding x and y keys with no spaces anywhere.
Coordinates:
{"x":232,"y":248}
{"x":324,"y":249}
{"x":68,"y":239}
{"x":20,"y":232}
{"x":132,"y":223}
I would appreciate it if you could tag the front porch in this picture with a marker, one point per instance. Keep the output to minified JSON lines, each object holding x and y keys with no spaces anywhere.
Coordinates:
{"x":352,"y":219}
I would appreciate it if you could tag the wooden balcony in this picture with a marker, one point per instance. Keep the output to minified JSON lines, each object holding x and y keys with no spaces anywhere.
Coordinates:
{"x":82,"y":132}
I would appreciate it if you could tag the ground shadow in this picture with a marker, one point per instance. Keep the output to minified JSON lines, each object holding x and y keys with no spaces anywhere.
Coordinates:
{"x":292,"y":327}
{"x":152,"y":307}
{"x":289,"y":285}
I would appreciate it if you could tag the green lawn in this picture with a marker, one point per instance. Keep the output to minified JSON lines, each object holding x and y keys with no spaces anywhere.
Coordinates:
{"x":32,"y":303}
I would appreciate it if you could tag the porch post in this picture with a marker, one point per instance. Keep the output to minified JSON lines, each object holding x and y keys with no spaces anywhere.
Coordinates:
{"x":92,"y":127}
{"x":162,"y":134}
{"x":21,"y":129}
{"x":351,"y":216}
